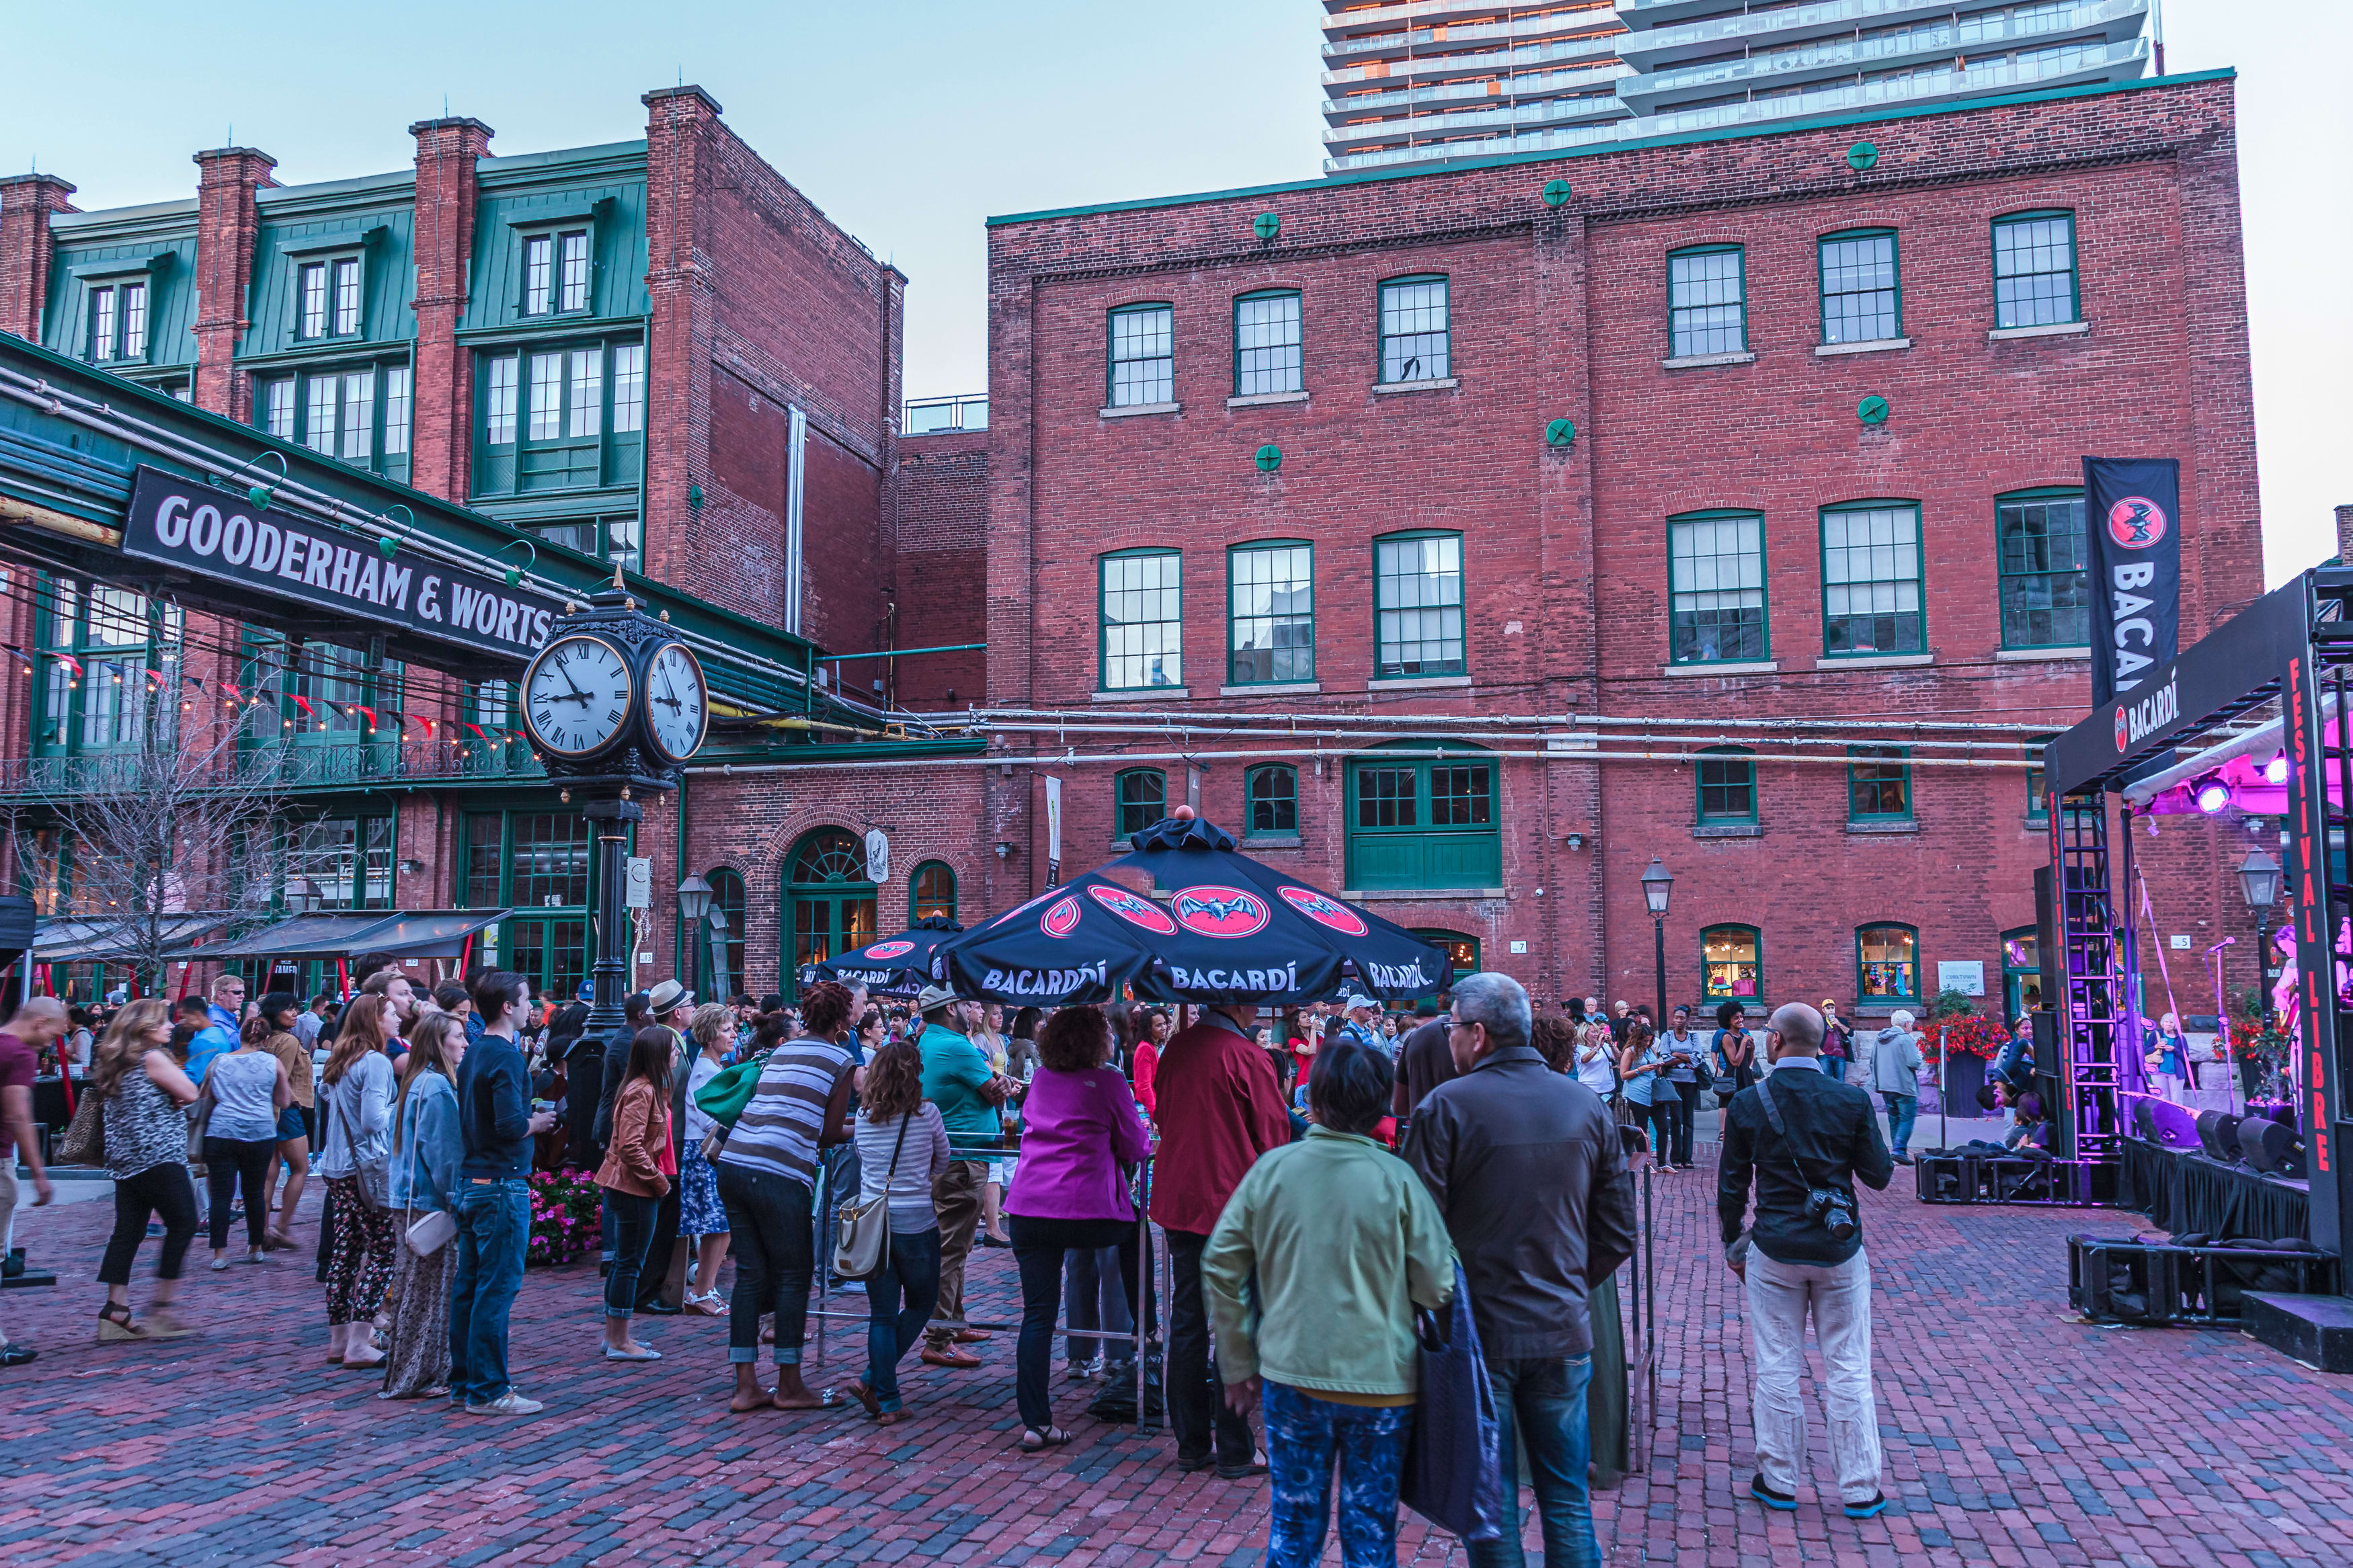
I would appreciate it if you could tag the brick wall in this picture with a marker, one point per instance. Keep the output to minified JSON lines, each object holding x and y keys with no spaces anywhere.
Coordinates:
{"x":27,"y":254}
{"x":940,"y":526}
{"x":1562,"y":313}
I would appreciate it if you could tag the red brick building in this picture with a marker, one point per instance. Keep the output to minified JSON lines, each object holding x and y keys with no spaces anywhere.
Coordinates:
{"x":1466,"y":539}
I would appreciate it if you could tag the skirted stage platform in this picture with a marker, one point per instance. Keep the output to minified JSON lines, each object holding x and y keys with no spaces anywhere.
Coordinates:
{"x":2187,"y":1193}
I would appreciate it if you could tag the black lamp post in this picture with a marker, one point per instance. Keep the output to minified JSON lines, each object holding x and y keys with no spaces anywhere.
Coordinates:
{"x":2259,"y":879}
{"x":693,"y":905}
{"x":1658,"y":882}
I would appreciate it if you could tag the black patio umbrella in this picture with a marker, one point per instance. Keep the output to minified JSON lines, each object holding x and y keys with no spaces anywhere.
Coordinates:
{"x":1231,"y":930}
{"x":896,"y":966}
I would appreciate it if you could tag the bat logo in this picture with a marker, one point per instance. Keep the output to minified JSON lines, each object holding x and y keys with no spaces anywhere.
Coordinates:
{"x":1134,"y":910}
{"x":1214,"y":910}
{"x":882,"y":950}
{"x":1059,"y":919}
{"x":1323,"y":910}
{"x":2137,"y":522}
{"x":2124,"y":726}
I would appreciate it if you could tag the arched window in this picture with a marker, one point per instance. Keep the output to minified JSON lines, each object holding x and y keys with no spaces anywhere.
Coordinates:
{"x":1727,"y":787}
{"x":1424,"y":822}
{"x":1463,"y":950}
{"x":1141,"y":798}
{"x":932,"y":890}
{"x":830,"y":904}
{"x":1732,"y":964}
{"x":1273,"y":798}
{"x":1887,"y":963}
{"x":729,"y":976}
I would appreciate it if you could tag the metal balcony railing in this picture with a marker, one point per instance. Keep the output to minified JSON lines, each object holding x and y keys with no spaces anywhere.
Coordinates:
{"x":356,"y":765}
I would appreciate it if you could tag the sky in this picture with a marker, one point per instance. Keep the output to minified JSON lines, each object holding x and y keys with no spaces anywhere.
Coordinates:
{"x":910,"y":121}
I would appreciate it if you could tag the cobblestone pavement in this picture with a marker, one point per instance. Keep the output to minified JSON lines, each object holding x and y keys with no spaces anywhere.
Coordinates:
{"x":2012,"y":1436}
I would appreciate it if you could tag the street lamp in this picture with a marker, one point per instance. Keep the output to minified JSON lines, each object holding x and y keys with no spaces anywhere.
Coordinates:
{"x":1658,"y":882}
{"x":2259,"y":881}
{"x":693,"y":904}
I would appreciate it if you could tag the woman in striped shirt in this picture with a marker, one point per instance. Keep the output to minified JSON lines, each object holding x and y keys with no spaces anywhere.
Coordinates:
{"x":902,"y":1145}
{"x":768,"y":1179}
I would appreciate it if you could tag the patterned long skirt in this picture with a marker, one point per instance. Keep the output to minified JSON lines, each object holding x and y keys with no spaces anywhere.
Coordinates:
{"x":418,"y":1359}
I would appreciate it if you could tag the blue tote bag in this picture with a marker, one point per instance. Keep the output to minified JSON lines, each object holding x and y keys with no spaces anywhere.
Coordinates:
{"x":1453,"y":1463}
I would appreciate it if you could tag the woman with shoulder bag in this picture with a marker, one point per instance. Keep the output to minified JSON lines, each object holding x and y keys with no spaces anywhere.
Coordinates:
{"x":1735,"y":1053}
{"x":902,"y":1145}
{"x":245,"y":1090}
{"x":636,"y":1176}
{"x":427,"y":1149}
{"x":701,"y":1214}
{"x":356,"y":1164}
{"x":143,"y":1095}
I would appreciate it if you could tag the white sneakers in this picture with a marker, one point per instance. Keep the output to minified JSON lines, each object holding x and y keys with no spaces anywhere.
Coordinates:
{"x":507,"y":1403}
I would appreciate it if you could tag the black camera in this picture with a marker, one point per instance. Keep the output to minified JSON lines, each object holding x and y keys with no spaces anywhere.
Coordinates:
{"x":1834,"y":1209}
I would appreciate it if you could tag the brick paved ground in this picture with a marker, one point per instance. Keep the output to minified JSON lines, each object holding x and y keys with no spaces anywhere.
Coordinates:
{"x":2013,"y":1438}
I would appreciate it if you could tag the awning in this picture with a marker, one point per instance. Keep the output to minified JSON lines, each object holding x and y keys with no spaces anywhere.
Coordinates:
{"x":423,"y":933}
{"x":77,"y":938}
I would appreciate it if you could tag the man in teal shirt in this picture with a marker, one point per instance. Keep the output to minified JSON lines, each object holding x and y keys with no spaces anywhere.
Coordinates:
{"x":958,"y":1080}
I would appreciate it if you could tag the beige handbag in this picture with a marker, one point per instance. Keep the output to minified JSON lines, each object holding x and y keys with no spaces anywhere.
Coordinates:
{"x":861,"y":1248}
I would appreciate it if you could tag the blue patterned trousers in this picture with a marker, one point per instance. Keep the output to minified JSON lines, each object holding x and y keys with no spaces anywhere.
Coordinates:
{"x":1306,"y":1436}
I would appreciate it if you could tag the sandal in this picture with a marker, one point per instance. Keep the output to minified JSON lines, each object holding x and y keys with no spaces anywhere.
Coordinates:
{"x":114,"y":1323}
{"x":860,"y":1393}
{"x":1034,"y":1442}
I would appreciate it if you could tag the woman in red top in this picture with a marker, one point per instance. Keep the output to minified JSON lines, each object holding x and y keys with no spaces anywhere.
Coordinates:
{"x":1148,"y":1042}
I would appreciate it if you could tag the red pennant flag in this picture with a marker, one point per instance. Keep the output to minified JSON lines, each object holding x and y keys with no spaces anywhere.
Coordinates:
{"x":304,"y":704}
{"x":71,"y":662}
{"x":369,"y":711}
{"x":477,"y":729}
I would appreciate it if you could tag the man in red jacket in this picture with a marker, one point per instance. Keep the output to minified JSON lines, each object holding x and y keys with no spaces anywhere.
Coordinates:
{"x":1219,"y":1109}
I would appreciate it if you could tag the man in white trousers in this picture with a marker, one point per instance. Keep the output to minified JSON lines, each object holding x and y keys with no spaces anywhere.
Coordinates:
{"x":1806,"y":1147}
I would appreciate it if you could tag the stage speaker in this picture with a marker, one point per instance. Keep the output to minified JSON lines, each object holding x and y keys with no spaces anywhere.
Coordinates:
{"x":2280,"y":1110}
{"x":2175,"y":1126}
{"x":2144,"y":1125}
{"x":2269,"y":1146}
{"x":2217,"y":1134}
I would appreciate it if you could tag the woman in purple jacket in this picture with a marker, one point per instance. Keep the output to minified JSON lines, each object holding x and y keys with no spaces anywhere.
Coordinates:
{"x":1080,"y":1127}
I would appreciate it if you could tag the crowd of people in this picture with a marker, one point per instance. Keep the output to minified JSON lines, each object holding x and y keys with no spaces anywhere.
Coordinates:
{"x":1318,"y":1175}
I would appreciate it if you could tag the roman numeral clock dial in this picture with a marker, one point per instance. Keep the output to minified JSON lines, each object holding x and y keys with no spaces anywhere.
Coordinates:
{"x":677,"y":708}
{"x":576,"y":696}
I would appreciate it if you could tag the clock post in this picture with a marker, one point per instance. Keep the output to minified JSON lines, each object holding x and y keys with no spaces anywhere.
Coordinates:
{"x":615,"y":705}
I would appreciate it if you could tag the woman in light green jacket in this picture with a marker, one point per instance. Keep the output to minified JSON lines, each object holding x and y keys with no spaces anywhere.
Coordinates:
{"x":1344,"y":1242}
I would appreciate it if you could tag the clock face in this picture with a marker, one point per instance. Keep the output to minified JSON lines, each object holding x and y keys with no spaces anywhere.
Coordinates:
{"x":576,"y":694}
{"x":677,"y":707}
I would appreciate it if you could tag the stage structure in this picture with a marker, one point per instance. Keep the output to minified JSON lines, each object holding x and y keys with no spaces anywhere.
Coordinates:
{"x":2290,"y":652}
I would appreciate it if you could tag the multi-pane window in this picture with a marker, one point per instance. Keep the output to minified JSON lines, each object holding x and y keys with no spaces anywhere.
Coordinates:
{"x":1266,"y":345}
{"x":1423,"y":824}
{"x":1418,"y":605}
{"x":538,"y":275}
{"x":1727,"y":787}
{"x":1707,"y":301}
{"x":311,"y":284}
{"x":1272,"y":795}
{"x":571,"y":276}
{"x":117,"y":322}
{"x":585,"y":406}
{"x":485,"y":852}
{"x":398,"y":397}
{"x":102,"y":317}
{"x":932,"y":890}
{"x":1142,"y":355}
{"x":347,"y":297}
{"x":1386,"y":797}
{"x":340,"y":863}
{"x":319,"y":417}
{"x":107,"y":632}
{"x":2040,"y":549}
{"x":1461,"y":796}
{"x":1862,"y":301}
{"x":1273,"y":613}
{"x":1732,"y":964}
{"x":727,"y":944}
{"x":2034,"y":271}
{"x":1142,"y":624}
{"x":1417,"y":330}
{"x":278,"y":408}
{"x":545,"y":423}
{"x":359,"y":416}
{"x":1887,"y":963}
{"x":1878,"y":784}
{"x":1716,"y":587}
{"x":1140,"y":797}
{"x":498,"y":406}
{"x":134,"y":320}
{"x":546,"y":396}
{"x":628,"y":387}
{"x":549,"y":861}
{"x":1871,"y":579}
{"x":2038,"y":806}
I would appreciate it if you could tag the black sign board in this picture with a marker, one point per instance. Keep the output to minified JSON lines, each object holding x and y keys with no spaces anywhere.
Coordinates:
{"x":318,"y":576}
{"x":2132,"y":520}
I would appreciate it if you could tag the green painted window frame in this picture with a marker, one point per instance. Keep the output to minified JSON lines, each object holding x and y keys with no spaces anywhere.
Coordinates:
{"x":729,"y":954}
{"x":1382,"y":336}
{"x":916,"y":900}
{"x":2015,"y":977}
{"x":1720,"y":756}
{"x":1675,"y":588}
{"x":386,"y":374}
{"x":1865,"y":997}
{"x":1415,"y":813}
{"x":1113,"y":359}
{"x":328,"y":261}
{"x":2005,"y":576}
{"x":1675,"y":349}
{"x":1460,"y":946}
{"x":1122,"y":822}
{"x":1919,"y":578}
{"x":1281,"y":794}
{"x":373,"y":854}
{"x":1386,"y":668}
{"x":2037,"y":802}
{"x":546,"y":853}
{"x":1877,"y":758}
{"x":1236,"y":674}
{"x":1103,"y":622}
{"x":1894,"y":288}
{"x":500,"y":467}
{"x":65,"y":704}
{"x":2074,"y":267}
{"x":555,"y":235}
{"x":118,"y":344}
{"x":1298,"y":344}
{"x":1709,"y":991}
{"x":792,"y":892}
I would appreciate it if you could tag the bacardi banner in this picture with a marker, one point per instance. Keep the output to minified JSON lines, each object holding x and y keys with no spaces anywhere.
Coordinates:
{"x":2132,"y":520}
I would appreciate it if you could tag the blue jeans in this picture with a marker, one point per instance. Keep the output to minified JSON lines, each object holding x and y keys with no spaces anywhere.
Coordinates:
{"x":892,"y":1330}
{"x":1543,"y":1400}
{"x":1902,"y":1109}
{"x":493,"y":1233}
{"x":1304,"y":1437}
{"x":1836,"y":1068}
{"x":633,"y":1233}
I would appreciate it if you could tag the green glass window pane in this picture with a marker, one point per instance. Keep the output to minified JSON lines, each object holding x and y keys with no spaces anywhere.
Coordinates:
{"x":1706,"y":303}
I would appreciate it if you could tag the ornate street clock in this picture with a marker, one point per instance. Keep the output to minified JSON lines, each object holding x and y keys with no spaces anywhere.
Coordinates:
{"x":614,"y":699}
